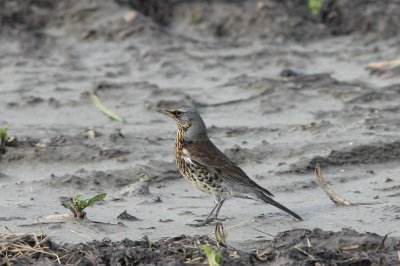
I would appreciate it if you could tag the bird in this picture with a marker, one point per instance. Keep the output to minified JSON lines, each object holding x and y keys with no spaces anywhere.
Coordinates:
{"x":209,"y":169}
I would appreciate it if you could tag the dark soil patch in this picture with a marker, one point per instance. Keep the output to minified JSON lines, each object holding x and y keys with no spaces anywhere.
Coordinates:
{"x":25,"y":15}
{"x":295,"y":247}
{"x":168,"y":251}
{"x":347,"y":247}
{"x":289,"y":18}
{"x":160,"y":11}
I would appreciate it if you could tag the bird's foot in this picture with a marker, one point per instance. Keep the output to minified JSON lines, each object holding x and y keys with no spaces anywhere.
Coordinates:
{"x":221,"y":219}
{"x":201,"y":223}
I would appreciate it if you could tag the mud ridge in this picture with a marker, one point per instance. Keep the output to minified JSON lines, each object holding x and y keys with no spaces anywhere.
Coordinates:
{"x":363,"y":154}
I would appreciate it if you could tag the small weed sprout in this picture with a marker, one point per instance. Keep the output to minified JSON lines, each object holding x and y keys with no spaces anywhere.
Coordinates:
{"x":214,"y":258}
{"x":315,"y":6}
{"x":3,"y":138}
{"x":78,"y":204}
{"x":220,"y":235}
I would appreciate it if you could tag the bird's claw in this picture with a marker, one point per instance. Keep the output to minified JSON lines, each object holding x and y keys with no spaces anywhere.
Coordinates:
{"x":212,"y":219}
{"x":202,"y":223}
{"x":221,"y":219}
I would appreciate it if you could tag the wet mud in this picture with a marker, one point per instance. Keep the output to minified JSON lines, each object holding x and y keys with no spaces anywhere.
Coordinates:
{"x":279,"y":88}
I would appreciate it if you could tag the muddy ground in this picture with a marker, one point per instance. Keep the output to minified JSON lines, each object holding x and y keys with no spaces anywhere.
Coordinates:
{"x":279,"y":89}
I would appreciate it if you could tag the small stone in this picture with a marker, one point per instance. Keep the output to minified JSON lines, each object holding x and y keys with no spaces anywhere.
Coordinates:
{"x":288,"y":73}
{"x":133,"y":190}
{"x":126,"y":216}
{"x":91,"y":133}
{"x":185,"y":213}
{"x":165,"y":220}
{"x":128,"y":17}
{"x":157,"y":199}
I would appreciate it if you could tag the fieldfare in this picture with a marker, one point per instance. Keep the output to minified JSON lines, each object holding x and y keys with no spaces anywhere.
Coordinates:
{"x":207,"y":168}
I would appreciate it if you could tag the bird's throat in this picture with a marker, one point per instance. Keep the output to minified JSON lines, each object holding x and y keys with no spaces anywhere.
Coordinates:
{"x":180,"y":137}
{"x":179,"y":145}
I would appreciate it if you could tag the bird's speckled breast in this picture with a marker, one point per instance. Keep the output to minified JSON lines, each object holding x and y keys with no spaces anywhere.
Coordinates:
{"x":196,"y":174}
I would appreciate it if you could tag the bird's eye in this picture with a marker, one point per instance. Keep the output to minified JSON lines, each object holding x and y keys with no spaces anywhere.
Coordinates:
{"x":178,"y":113}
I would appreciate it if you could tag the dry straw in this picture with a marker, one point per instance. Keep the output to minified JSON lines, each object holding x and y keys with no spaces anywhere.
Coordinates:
{"x":32,"y":245}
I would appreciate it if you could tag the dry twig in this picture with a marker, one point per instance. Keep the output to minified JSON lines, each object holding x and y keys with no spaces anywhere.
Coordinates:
{"x":381,"y":245}
{"x":331,"y":194}
{"x":305,"y":253}
{"x":383,"y":64}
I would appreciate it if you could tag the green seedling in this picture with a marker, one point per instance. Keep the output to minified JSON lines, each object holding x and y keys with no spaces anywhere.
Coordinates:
{"x":220,"y":235}
{"x":3,"y":137}
{"x":4,"y":131}
{"x":315,"y":6}
{"x":214,"y":258}
{"x":78,"y":204}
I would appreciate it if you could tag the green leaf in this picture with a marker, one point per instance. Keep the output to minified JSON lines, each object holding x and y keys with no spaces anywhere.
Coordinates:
{"x":220,"y":234}
{"x":66,"y":202}
{"x":99,"y":197}
{"x":80,"y":202}
{"x":214,"y":258}
{"x":315,"y":6}
{"x":207,"y":249}
{"x":3,"y":132}
{"x":105,"y":109}
{"x":218,"y":257}
{"x":68,"y":205}
{"x":78,"y":198}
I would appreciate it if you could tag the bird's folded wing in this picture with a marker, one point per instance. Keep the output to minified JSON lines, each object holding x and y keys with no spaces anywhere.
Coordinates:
{"x":205,"y":153}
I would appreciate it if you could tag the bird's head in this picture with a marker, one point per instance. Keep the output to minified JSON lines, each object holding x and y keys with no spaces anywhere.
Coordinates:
{"x":188,"y":119}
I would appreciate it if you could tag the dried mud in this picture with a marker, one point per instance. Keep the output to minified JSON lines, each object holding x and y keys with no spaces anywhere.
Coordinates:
{"x":279,"y":89}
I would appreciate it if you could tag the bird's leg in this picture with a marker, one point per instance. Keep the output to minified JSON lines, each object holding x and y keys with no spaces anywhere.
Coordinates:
{"x":220,"y":203}
{"x":210,"y":216}
{"x":207,"y":220}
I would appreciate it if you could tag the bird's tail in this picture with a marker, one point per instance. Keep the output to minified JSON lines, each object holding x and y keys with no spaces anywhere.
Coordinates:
{"x":268,"y":200}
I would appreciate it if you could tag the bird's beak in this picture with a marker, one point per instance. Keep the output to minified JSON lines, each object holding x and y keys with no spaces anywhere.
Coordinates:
{"x":164,"y":111}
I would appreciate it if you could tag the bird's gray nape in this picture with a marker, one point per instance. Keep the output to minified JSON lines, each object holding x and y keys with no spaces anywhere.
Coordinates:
{"x":197,"y":129}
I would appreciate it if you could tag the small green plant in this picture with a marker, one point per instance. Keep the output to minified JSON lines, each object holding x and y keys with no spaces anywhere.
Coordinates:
{"x":4,"y":131}
{"x":315,"y":6}
{"x":214,"y":258}
{"x":220,"y":235}
{"x":3,"y":138}
{"x":78,"y":204}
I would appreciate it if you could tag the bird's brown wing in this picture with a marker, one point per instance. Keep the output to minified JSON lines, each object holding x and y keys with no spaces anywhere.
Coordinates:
{"x":205,"y":153}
